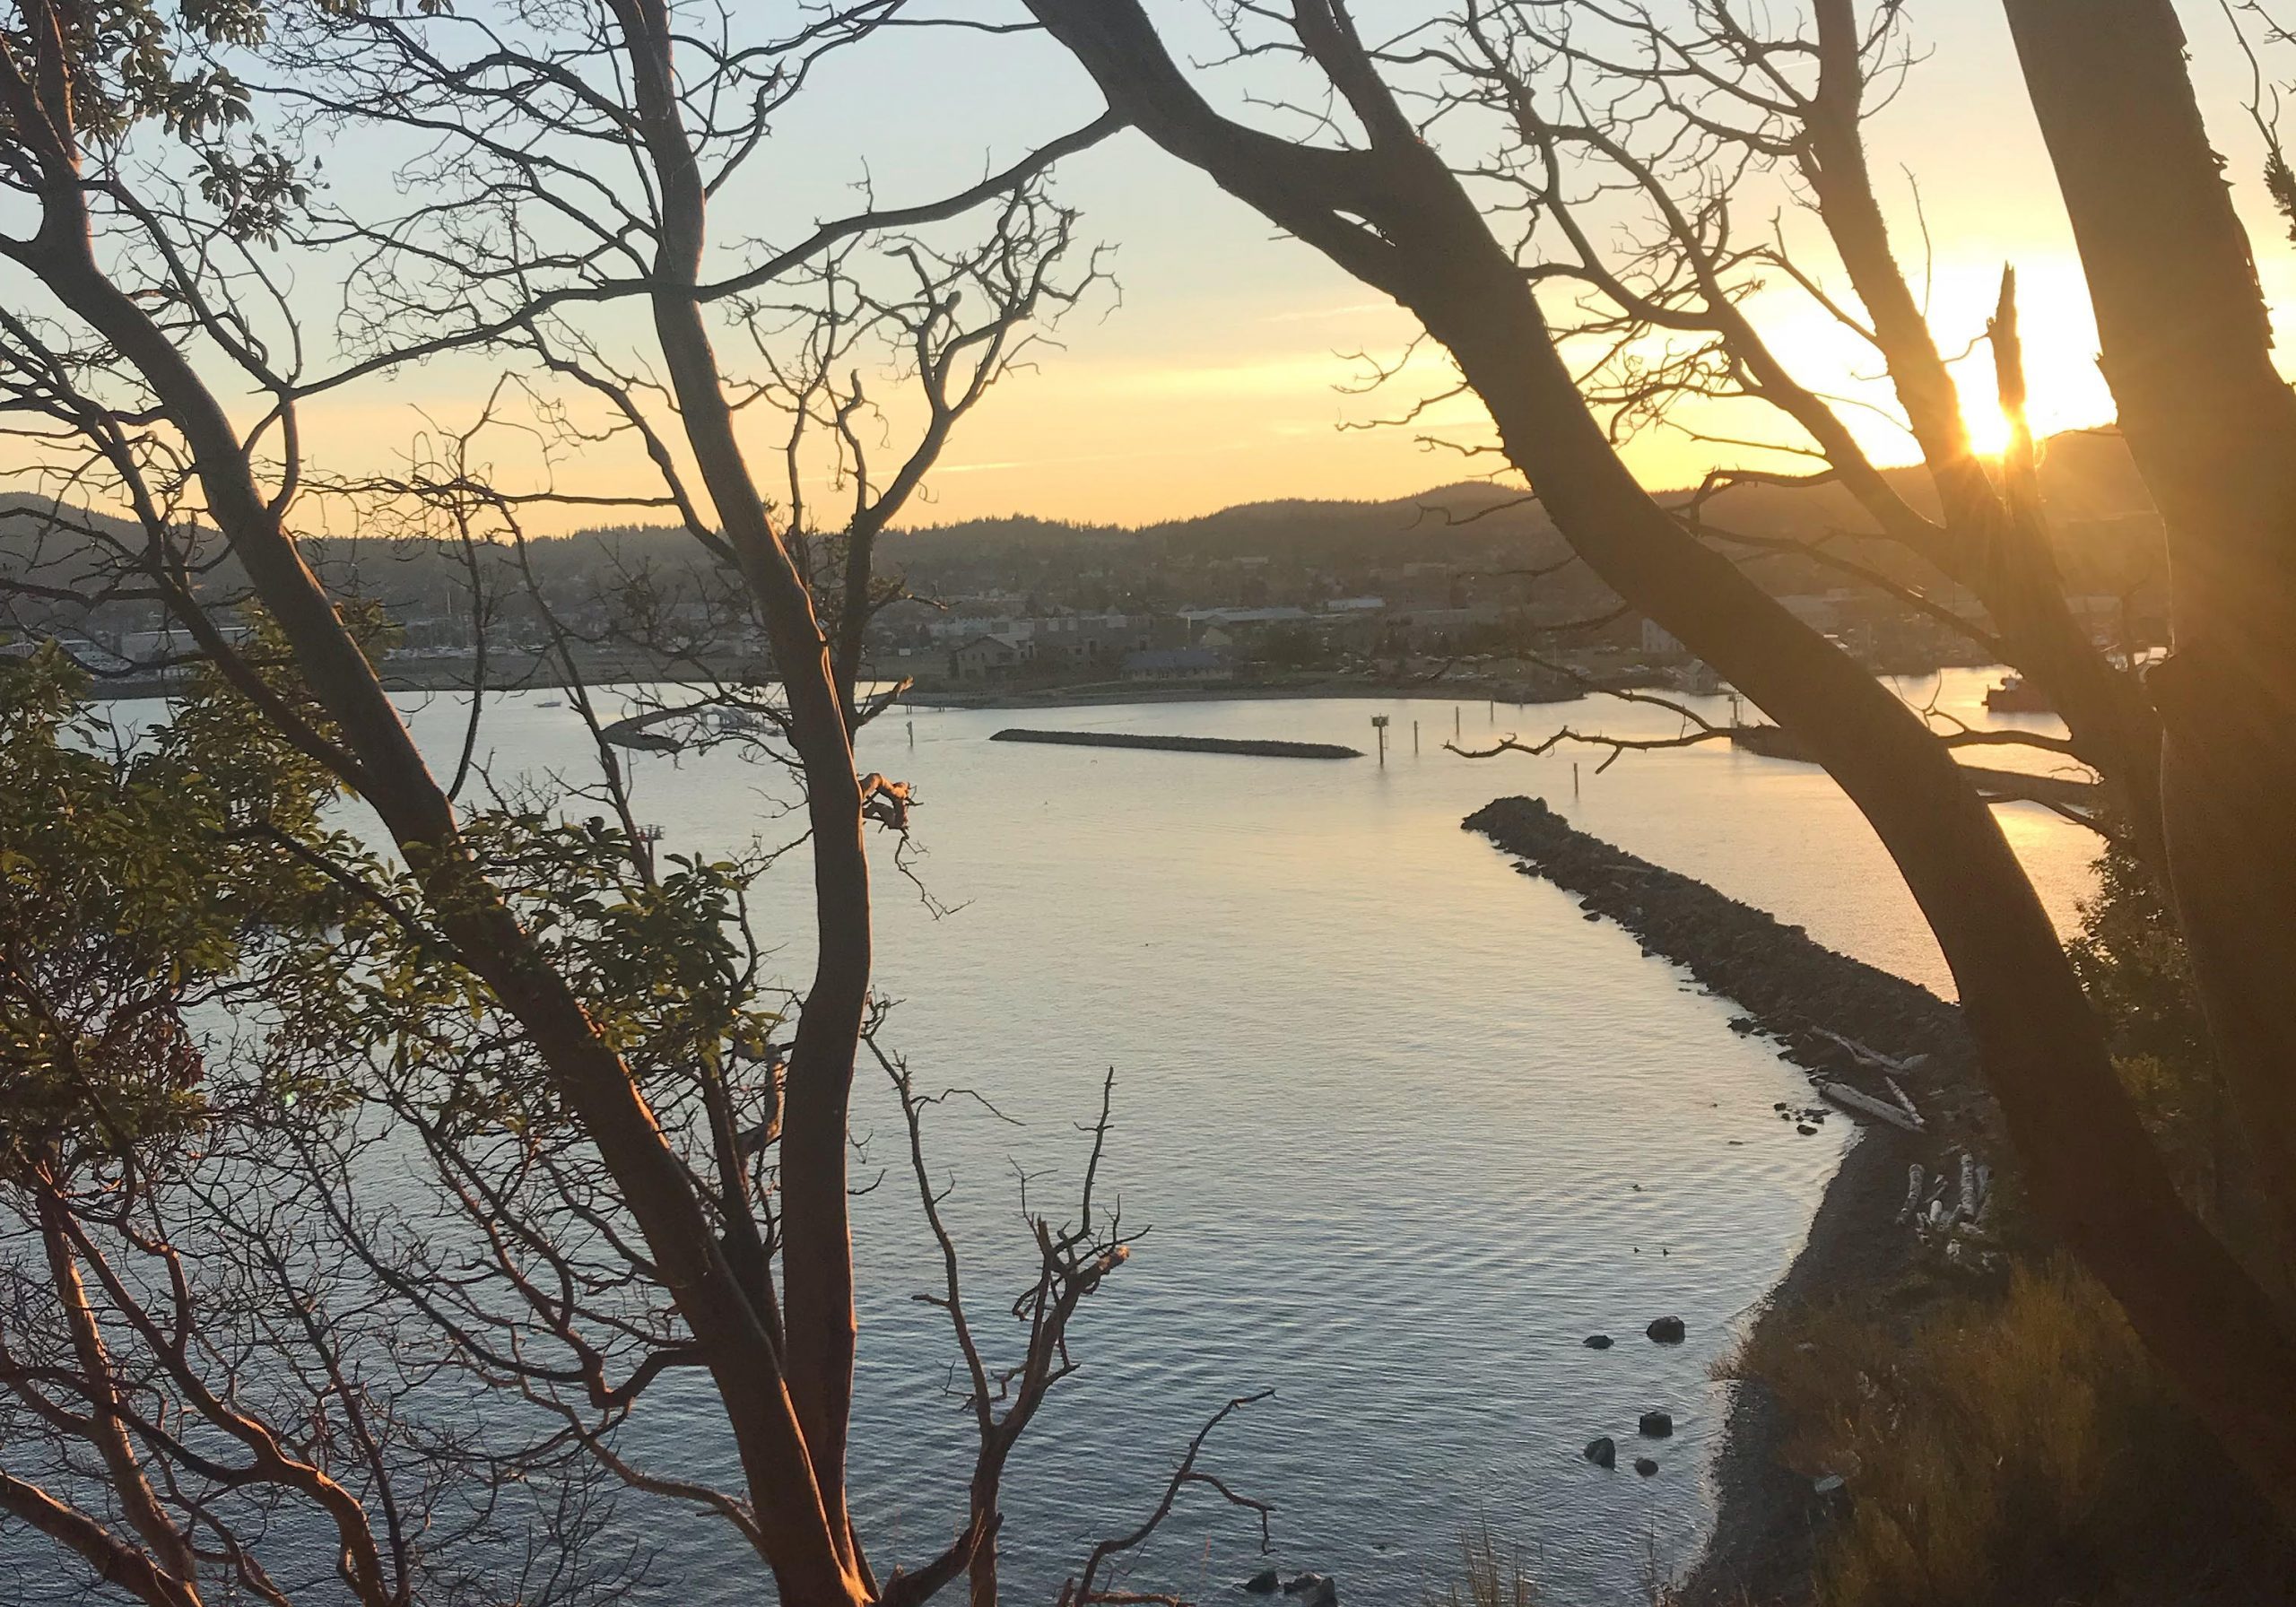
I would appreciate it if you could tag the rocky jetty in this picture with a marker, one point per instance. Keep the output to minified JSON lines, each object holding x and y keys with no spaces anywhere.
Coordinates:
{"x":1887,"y":1053}
{"x":1178,"y":744}
{"x":1882,"y":1040}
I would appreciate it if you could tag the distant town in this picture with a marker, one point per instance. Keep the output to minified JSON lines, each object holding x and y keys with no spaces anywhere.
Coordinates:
{"x":1467,"y":587}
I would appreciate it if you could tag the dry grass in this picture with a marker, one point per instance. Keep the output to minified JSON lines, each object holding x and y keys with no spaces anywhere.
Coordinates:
{"x":2007,"y":1449}
{"x":1491,"y":1575}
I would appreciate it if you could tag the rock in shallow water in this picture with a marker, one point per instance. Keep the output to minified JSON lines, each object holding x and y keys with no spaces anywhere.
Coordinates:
{"x":1597,"y":1342}
{"x":1603,"y":1452}
{"x":1667,"y":1330}
{"x":1263,"y":1582}
{"x":1645,"y":1466}
{"x":1654,"y":1425}
{"x":1314,"y":1590}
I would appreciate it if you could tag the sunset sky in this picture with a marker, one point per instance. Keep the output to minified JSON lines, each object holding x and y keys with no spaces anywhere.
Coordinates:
{"x":1216,"y":380}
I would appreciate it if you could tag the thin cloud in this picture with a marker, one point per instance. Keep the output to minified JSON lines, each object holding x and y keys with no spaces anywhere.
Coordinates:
{"x":999,"y":466}
{"x":1308,"y":315}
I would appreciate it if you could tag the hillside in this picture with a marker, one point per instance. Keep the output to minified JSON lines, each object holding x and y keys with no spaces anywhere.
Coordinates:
{"x":2107,"y":541}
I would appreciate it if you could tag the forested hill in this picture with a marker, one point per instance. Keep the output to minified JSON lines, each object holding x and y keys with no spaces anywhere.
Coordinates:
{"x":2105,"y":539}
{"x":2091,"y":486}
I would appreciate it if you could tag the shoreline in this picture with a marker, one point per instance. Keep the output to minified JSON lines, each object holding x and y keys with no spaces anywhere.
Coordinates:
{"x":402,"y":677}
{"x":1098,"y":694}
{"x":1083,"y":695}
{"x":1831,"y":1015}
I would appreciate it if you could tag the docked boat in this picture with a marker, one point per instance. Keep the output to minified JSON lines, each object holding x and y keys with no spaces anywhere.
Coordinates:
{"x":2017,"y":695}
{"x":728,"y":718}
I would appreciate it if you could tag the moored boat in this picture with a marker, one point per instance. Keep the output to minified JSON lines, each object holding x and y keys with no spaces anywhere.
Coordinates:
{"x":2016,"y":695}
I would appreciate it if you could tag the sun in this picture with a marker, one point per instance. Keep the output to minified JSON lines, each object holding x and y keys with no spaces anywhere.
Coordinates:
{"x":1988,"y":426}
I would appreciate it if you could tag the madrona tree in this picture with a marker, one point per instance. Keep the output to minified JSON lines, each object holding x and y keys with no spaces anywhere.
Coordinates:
{"x":634,"y":1139}
{"x":1393,"y":187}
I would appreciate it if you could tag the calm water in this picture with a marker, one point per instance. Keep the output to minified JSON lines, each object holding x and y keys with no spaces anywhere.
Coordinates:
{"x":1405,"y":1127}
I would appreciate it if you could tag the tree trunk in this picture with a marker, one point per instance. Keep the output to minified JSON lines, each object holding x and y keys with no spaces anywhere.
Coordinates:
{"x":395,"y":781}
{"x":816,"y":1233}
{"x":1990,"y":545}
{"x":2186,"y":350}
{"x":1398,"y":217}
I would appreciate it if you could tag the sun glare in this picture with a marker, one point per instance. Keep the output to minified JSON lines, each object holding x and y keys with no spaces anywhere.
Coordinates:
{"x":1988,"y":426}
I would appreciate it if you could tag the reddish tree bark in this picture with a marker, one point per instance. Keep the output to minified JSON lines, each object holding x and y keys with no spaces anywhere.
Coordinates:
{"x":817,"y":1260}
{"x":807,"y":1539}
{"x":1394,"y":215}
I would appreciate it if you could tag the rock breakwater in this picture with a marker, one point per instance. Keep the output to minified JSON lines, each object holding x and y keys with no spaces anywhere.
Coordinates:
{"x":1178,"y":744}
{"x":1906,"y":1057}
{"x":1846,"y":1021}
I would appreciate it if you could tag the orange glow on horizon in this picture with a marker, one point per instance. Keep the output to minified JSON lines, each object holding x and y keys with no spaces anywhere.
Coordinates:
{"x":1125,"y":427}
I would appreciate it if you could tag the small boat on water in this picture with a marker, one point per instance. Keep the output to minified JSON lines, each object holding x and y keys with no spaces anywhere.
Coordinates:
{"x":740,"y":719}
{"x":2017,"y":695}
{"x":552,"y":703}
